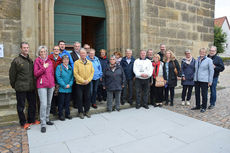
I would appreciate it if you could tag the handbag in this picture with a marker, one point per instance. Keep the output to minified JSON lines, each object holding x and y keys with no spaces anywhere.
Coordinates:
{"x":160,"y":82}
{"x":175,"y":69}
{"x":56,"y":89}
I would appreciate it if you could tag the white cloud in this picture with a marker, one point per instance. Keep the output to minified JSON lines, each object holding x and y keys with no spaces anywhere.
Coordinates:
{"x":222,"y":8}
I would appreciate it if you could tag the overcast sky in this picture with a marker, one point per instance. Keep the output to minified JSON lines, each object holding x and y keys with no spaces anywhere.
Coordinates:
{"x":222,"y":8}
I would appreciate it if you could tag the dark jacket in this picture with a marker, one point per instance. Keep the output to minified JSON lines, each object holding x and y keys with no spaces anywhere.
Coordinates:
{"x":21,"y":74}
{"x":218,"y":62}
{"x":172,"y":78}
{"x":161,"y":55}
{"x":113,"y":81}
{"x":128,"y":68}
{"x":188,"y":71}
{"x":74,"y":56}
{"x":104,"y":63}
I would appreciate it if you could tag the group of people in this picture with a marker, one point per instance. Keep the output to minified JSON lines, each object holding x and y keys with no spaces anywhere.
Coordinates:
{"x":82,"y":77}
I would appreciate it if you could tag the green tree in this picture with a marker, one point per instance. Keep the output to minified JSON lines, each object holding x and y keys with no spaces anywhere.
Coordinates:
{"x":219,"y":39}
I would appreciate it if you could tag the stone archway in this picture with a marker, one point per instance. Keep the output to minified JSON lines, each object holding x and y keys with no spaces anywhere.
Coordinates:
{"x":118,"y":24}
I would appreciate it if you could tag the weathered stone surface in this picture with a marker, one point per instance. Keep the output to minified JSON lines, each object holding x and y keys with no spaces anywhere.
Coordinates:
{"x":152,"y":11}
{"x":158,"y":22}
{"x":170,"y":3}
{"x":207,"y":37}
{"x":202,"y":29}
{"x":208,"y":22}
{"x":192,"y":9}
{"x":160,"y":3}
{"x":203,"y":12}
{"x":181,"y":6}
{"x":10,"y":9}
{"x":181,"y":34}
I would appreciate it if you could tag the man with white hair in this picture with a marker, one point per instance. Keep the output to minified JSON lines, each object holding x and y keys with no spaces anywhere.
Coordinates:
{"x":218,"y":67}
{"x":143,"y":70}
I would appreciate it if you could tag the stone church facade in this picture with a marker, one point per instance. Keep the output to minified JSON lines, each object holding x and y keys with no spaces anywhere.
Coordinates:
{"x":135,"y":24}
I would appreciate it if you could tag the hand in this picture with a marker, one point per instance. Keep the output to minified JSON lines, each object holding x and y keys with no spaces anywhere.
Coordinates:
{"x":67,"y":86}
{"x":183,"y":78}
{"x":46,"y":65}
{"x":134,"y":79}
{"x":144,"y":75}
{"x":178,"y":78}
{"x":214,"y":66}
{"x":104,"y":87}
{"x":122,"y":86}
{"x":86,"y":82}
{"x":100,"y":79}
{"x":209,"y":84}
{"x":165,"y":81}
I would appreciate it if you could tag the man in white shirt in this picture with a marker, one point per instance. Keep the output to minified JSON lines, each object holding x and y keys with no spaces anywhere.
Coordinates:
{"x":143,"y":70}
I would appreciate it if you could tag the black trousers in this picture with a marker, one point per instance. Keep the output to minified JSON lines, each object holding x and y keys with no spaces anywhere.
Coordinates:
{"x":187,"y":90}
{"x":82,"y":94}
{"x":54,"y":104}
{"x":142,"y":91}
{"x":74,"y":97}
{"x":171,"y":89}
{"x":156,"y":94}
{"x":203,"y":86}
{"x":31,"y":99}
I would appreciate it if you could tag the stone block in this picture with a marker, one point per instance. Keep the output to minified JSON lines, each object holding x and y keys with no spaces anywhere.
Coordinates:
{"x":174,"y":41}
{"x":208,"y":22}
{"x":192,"y":35}
{"x":181,"y":6}
{"x":10,"y":9}
{"x":170,"y":3}
{"x":202,"y":29}
{"x":192,"y":9}
{"x":192,"y":18}
{"x":152,"y":11}
{"x":206,"y":1}
{"x":199,"y":20}
{"x":6,"y":36}
{"x":184,"y":17}
{"x":160,"y":3}
{"x":168,"y":13}
{"x":203,"y":12}
{"x":207,"y":6}
{"x":181,"y":34}
{"x":196,"y":3}
{"x":158,"y":22}
{"x":207,"y":37}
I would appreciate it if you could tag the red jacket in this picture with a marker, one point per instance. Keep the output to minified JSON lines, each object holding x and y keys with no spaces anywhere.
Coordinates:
{"x":55,"y":63}
{"x":44,"y":76}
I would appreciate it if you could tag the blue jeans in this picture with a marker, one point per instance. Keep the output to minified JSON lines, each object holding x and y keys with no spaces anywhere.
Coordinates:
{"x":213,"y":91}
{"x":63,"y":102}
{"x":93,"y":90}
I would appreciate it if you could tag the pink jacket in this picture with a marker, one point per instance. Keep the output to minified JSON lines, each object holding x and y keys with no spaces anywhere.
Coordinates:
{"x":44,"y":76}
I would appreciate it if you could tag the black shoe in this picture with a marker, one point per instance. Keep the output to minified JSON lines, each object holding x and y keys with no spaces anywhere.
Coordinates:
{"x":166,"y":103}
{"x":118,"y":109}
{"x":122,"y":102}
{"x":146,"y":106}
{"x":43,"y":130}
{"x":138,"y":106}
{"x":94,"y":106}
{"x":195,"y":108}
{"x":62,"y":118}
{"x":171,"y":104}
{"x":113,"y":108}
{"x":211,"y":107}
{"x":203,"y":110}
{"x":54,"y":112}
{"x":104,"y":99}
{"x":49,"y":123}
{"x":69,"y":117}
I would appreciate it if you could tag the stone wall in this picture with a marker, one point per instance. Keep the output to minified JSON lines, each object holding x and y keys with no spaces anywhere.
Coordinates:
{"x":180,"y":24}
{"x":10,"y":32}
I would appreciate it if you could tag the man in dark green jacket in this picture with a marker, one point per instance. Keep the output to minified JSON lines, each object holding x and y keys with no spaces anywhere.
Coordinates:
{"x":22,"y":80}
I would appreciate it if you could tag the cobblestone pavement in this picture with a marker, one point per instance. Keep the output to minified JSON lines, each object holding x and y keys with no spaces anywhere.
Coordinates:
{"x":220,"y":115}
{"x":13,"y":139}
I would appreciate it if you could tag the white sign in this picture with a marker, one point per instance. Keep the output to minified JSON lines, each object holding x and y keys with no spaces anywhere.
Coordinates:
{"x":1,"y":50}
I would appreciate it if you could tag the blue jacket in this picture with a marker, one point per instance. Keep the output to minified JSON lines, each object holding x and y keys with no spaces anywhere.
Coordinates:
{"x":204,"y":70}
{"x":97,"y":68}
{"x":64,"y":77}
{"x":104,"y":63}
{"x":187,"y":71}
{"x":113,"y":81}
{"x":128,"y":68}
{"x":70,"y":57}
{"x":218,"y":62}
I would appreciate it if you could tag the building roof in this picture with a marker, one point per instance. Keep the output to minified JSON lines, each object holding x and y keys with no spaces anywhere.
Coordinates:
{"x":220,"y":21}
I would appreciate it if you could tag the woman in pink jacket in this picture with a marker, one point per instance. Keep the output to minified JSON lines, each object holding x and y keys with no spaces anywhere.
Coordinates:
{"x":44,"y":73}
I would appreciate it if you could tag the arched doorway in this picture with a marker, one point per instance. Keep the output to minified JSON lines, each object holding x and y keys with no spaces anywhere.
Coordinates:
{"x":80,"y":20}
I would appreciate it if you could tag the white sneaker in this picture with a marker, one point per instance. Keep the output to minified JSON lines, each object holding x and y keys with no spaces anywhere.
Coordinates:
{"x":183,"y":103}
{"x":188,"y":103}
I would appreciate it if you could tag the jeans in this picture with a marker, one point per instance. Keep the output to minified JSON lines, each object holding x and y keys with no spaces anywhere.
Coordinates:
{"x":171,"y":89}
{"x":213,"y":91}
{"x":204,"y":92}
{"x":184,"y":91}
{"x":128,"y":86}
{"x":110,"y":99}
{"x":31,"y":98}
{"x":63,"y":102}
{"x":93,"y":90}
{"x":83,"y":96}
{"x":142,"y":87}
{"x":45,"y":97}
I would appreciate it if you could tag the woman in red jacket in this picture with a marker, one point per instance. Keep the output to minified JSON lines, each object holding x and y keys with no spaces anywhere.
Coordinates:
{"x":44,"y":73}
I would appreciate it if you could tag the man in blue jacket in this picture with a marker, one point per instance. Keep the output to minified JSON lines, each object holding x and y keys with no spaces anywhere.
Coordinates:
{"x":127,"y":65}
{"x":218,"y":67}
{"x":63,"y":52}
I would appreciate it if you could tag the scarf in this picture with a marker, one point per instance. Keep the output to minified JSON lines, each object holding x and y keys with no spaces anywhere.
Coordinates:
{"x":156,"y":66}
{"x":188,"y":60}
{"x":103,"y":57}
{"x":43,"y":59}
